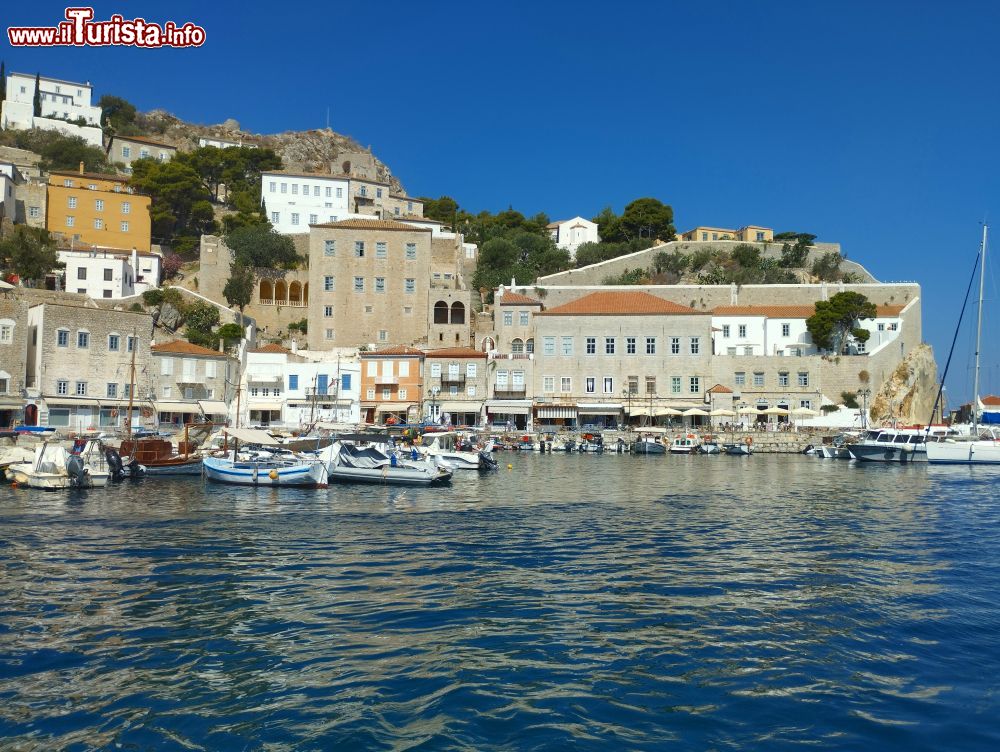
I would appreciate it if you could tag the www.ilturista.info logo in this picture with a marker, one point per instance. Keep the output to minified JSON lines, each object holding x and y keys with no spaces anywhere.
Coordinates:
{"x":80,"y":30}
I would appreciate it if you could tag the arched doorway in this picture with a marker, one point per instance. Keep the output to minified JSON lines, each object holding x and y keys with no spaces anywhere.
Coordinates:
{"x":280,"y":292}
{"x":305,"y":293}
{"x":488,"y":344}
{"x":457,"y":313}
{"x":295,"y":294}
{"x":31,"y":415}
{"x":440,"y":312}
{"x":266,"y":292}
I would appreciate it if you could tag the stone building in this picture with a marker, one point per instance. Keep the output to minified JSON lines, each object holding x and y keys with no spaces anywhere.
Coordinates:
{"x":127,"y":149}
{"x":79,"y":362}
{"x":190,"y":383}
{"x":455,"y":385}
{"x":13,"y":356}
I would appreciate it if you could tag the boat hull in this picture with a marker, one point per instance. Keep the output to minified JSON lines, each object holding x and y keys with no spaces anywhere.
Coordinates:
{"x":648,"y":447}
{"x":265,"y":474}
{"x":389,"y":476}
{"x":879,"y":453}
{"x":964,"y":453}
{"x":26,"y":476}
{"x":175,"y":468}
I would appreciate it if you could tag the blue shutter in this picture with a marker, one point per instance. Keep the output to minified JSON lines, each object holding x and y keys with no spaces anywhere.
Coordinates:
{"x":321,"y":382}
{"x":345,"y":382}
{"x":293,"y":382}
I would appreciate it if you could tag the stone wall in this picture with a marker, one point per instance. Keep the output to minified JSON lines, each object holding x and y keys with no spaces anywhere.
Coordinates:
{"x":14,"y":354}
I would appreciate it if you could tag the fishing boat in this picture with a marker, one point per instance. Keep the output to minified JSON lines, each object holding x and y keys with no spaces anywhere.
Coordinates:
{"x":159,"y":457}
{"x":263,"y":463}
{"x":347,"y":462}
{"x":648,"y":445}
{"x":984,"y":447}
{"x":709,"y":445}
{"x":443,"y":445}
{"x":53,"y":467}
{"x":685,"y":443}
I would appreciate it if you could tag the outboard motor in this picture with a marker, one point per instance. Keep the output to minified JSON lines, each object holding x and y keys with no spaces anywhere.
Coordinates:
{"x":115,"y":466}
{"x":77,"y":471}
{"x":134,"y":469}
{"x":808,"y":449}
{"x":487,"y":462}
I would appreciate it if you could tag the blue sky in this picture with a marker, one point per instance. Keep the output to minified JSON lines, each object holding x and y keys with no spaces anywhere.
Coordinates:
{"x":869,"y":124}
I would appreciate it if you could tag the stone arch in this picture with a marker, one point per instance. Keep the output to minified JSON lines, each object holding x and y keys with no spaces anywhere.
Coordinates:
{"x":280,"y":292}
{"x":517,"y":345}
{"x":529,"y":345}
{"x":440,"y":312}
{"x":295,"y":293}
{"x":488,"y":344}
{"x":266,"y":291}
{"x":458,"y":312}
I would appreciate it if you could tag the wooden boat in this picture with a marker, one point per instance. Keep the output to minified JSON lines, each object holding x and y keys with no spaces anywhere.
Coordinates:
{"x":685,"y":444}
{"x":648,"y":445}
{"x":158,"y":456}
{"x":261,"y":467}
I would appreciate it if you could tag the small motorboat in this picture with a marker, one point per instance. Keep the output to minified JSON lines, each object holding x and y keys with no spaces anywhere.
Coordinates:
{"x":648,"y":445}
{"x":709,"y":445}
{"x":444,"y":446}
{"x":348,"y":463}
{"x":903,"y":445}
{"x":685,"y":443}
{"x":258,"y":464}
{"x":744,"y":449}
{"x":53,"y":467}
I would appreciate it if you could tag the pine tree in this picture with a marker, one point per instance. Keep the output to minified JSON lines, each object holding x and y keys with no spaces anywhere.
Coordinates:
{"x":37,"y":101}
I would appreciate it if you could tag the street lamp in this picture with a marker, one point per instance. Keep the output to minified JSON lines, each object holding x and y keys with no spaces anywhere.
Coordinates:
{"x":865,"y":394}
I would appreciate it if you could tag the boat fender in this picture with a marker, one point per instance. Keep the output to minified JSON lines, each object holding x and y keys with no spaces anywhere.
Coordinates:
{"x":273,"y":475}
{"x":749,"y":440}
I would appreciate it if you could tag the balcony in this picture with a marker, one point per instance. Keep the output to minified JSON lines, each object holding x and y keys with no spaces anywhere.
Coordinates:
{"x":330,"y":391}
{"x":510,"y":392}
{"x":383,"y":380}
{"x":453,"y":380}
{"x":494,"y":355}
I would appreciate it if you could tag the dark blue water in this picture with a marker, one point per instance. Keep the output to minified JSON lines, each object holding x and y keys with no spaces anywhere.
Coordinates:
{"x":571,"y":602}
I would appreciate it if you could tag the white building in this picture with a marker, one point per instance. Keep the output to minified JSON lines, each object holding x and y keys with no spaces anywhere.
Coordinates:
{"x":223,"y":143}
{"x":294,"y":201}
{"x":572,"y":233}
{"x":65,"y":106}
{"x":7,"y":208}
{"x":107,"y":273}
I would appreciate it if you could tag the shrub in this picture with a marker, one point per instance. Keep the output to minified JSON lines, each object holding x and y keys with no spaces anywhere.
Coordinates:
{"x":849,"y":399}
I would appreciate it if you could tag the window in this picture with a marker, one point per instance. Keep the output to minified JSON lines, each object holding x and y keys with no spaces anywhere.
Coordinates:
{"x":508,"y":318}
{"x":6,"y":333}
{"x":523,"y":318}
{"x":501,"y":379}
{"x":548,"y":383}
{"x":62,"y":338}
{"x":567,"y":345}
{"x":359,"y":284}
{"x":695,"y":385}
{"x":295,"y":189}
{"x":725,"y":331}
{"x":435,"y":370}
{"x":760,"y":236}
{"x":328,"y":284}
{"x":786,"y":330}
{"x":127,"y":152}
{"x":803,"y":378}
{"x":378,"y":193}
{"x":166,"y":366}
{"x":313,"y":219}
{"x":381,"y":250}
{"x":517,"y":380}
{"x":471,"y":369}
{"x":112,"y":391}
{"x":81,"y":389}
{"x":591,"y":345}
{"x":126,"y":207}
{"x":383,"y":335}
{"x":650,"y":345}
{"x":402,"y":394}
{"x":340,"y":192}
{"x":806,"y":404}
{"x":379,"y":284}
{"x":591,"y":385}
{"x":783,"y":378}
{"x":370,"y":393}
{"x":295,"y":218}
{"x":62,"y":386}
{"x":81,"y":273}
{"x":566,"y":384}
{"x":328,"y":311}
{"x":742,"y":330}
{"x":675,"y":345}
{"x":695,"y":345}
{"x":548,"y":345}
{"x":345,"y":382}
{"x":83,"y":339}
{"x":630,"y":345}
{"x":70,"y":221}
{"x":143,"y":153}
{"x":68,"y":183}
{"x":316,"y":190}
{"x":469,"y":391}
{"x":329,"y":192}
{"x":650,"y":385}
{"x":99,"y":204}
{"x":123,"y":226}
{"x":35,"y":212}
{"x":359,"y":248}
{"x":609,"y":385}
{"x":517,"y":346}
{"x":410,"y":285}
{"x":363,"y":191}
{"x":106,"y":294}
{"x":860,"y":346}
{"x":748,"y":350}
{"x":108,"y":274}
{"x":130,"y":343}
{"x":609,"y":345}
{"x":328,"y":334}
{"x":71,"y":202}
{"x":675,"y":384}
{"x":411,"y":251}
{"x":113,"y":342}
{"x":330,"y":248}
{"x":98,"y":224}
{"x":758,"y":378}
{"x":395,"y":210}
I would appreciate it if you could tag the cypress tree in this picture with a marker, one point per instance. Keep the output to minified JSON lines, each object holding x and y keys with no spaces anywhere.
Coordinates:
{"x":3,"y":80}
{"x":37,"y":101}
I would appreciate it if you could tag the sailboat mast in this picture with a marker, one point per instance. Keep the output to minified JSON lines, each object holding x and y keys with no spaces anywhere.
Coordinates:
{"x":979,"y":334}
{"x":131,"y":390}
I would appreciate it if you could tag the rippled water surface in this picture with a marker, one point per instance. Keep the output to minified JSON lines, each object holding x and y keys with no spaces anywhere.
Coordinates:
{"x":570,"y":601}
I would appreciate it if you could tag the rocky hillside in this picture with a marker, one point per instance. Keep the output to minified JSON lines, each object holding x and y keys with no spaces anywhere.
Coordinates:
{"x":908,"y":394}
{"x":304,"y":151}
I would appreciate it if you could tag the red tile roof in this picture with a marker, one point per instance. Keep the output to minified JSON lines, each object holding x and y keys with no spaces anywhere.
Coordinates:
{"x":144,"y":140}
{"x":273,"y":348}
{"x":791,"y":311}
{"x":372,"y":224}
{"x":720,"y":389}
{"x":394,"y":350}
{"x":455,"y":352}
{"x":991,"y":400}
{"x":513,"y":298}
{"x":183,"y":347}
{"x":620,"y":303}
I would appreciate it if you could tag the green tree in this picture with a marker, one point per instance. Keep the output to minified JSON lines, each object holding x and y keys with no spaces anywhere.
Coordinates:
{"x":444,"y":209}
{"x":240,"y":287}
{"x":36,"y":100}
{"x":648,"y":218}
{"x":609,"y":228}
{"x":249,"y":212}
{"x":827,"y":267}
{"x":230,"y":333}
{"x":66,"y":152}
{"x":118,"y":113}
{"x":260,"y":247}
{"x":201,"y":320}
{"x":30,"y":253}
{"x":839,"y":317}
{"x":181,"y":209}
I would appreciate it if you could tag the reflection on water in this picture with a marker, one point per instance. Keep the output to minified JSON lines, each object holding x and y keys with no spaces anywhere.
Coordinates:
{"x":591,"y":601}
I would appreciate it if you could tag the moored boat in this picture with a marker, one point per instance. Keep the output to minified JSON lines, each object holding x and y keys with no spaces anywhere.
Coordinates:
{"x":263,"y":467}
{"x":52,"y":468}
{"x":904,"y":445}
{"x":685,"y":443}
{"x":648,"y":445}
{"x":348,"y":463}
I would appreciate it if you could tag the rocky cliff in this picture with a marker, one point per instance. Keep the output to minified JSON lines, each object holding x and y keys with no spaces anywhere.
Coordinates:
{"x":908,"y":394}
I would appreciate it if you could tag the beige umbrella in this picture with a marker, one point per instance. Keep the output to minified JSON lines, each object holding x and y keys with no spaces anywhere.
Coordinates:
{"x":748,"y":410}
{"x":693,"y":411}
{"x":5,"y":285}
{"x":775,"y":411}
{"x":661,"y":411}
{"x":721,"y":413}
{"x":640,"y":411}
{"x":804,"y":412}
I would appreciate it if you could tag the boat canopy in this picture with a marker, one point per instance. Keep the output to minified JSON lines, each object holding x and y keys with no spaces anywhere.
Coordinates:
{"x":251,"y":436}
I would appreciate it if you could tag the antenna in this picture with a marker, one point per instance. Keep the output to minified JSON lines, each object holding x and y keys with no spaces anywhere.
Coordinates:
{"x":328,"y":117}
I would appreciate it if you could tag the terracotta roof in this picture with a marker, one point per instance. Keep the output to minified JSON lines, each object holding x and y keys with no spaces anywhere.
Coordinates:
{"x":394,"y":350}
{"x":619,"y":303}
{"x":791,"y":311}
{"x":372,"y":224}
{"x":418,"y":219}
{"x":91,"y":175}
{"x":183,"y":347}
{"x":514,"y":298}
{"x":455,"y":352}
{"x":273,"y":348}
{"x":991,"y":400}
{"x":143,"y":140}
{"x":720,"y":389}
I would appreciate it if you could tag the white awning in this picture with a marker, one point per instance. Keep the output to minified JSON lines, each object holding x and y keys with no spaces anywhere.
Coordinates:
{"x":461,"y":407}
{"x":561,"y":411}
{"x":213,"y":407}
{"x":265,"y":406}
{"x":509,"y":407}
{"x":598,"y":408}
{"x":176,"y":407}
{"x":399,"y":408}
{"x":251,"y":436}
{"x":70,"y":402}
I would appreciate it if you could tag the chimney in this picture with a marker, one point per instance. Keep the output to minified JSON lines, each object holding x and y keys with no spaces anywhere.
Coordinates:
{"x":81,"y":166}
{"x":295,"y":346}
{"x":222,"y":345}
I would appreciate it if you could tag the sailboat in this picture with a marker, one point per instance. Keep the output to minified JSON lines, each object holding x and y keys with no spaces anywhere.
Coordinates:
{"x":984,"y":448}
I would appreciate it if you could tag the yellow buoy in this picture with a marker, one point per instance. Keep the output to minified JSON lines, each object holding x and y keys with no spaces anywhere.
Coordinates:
{"x":510,"y":466}
{"x":273,"y":475}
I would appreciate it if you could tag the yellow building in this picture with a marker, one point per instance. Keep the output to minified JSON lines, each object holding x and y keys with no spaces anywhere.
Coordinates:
{"x":748,"y":234}
{"x":97,"y":209}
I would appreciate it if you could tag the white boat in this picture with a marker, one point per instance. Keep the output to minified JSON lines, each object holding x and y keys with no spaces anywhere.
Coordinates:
{"x":443,"y":445}
{"x":348,"y":463}
{"x":710,"y":446}
{"x":904,"y":445}
{"x":53,"y":468}
{"x":648,"y":445}
{"x":685,"y":443}
{"x":263,"y":467}
{"x":984,"y":450}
